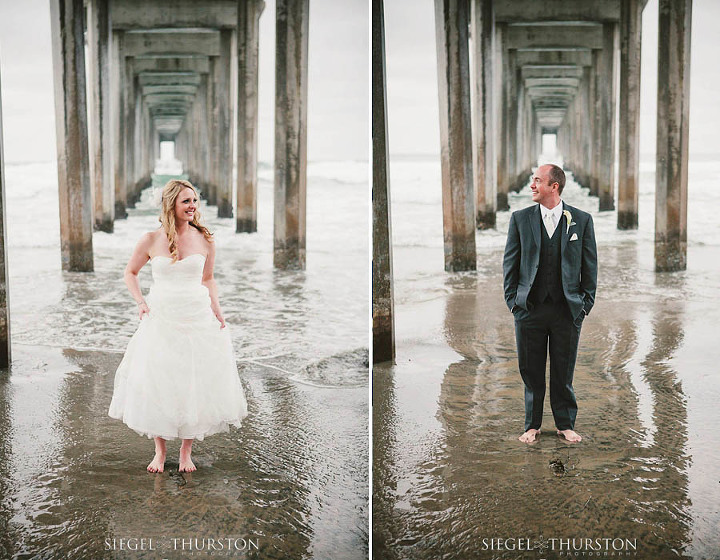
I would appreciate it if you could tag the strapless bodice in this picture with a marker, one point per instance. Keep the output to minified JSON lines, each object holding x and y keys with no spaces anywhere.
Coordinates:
{"x":177,"y":293}
{"x":185,"y":271}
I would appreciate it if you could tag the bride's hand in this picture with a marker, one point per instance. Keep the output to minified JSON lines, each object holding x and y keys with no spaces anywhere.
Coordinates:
{"x":143,"y":309}
{"x":219,"y":316}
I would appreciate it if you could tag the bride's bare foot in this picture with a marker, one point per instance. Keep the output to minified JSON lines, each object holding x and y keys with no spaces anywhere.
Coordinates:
{"x":186,"y":464}
{"x":530,"y":436}
{"x":157,"y":465}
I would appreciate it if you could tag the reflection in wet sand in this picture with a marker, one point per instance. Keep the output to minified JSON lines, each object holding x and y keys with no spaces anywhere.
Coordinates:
{"x":446,"y":480}
{"x":281,"y":481}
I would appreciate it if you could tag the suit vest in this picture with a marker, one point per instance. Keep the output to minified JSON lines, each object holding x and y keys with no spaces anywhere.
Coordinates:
{"x":548,"y":280}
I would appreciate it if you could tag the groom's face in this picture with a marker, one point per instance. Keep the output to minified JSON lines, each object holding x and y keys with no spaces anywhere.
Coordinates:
{"x":542,"y":191}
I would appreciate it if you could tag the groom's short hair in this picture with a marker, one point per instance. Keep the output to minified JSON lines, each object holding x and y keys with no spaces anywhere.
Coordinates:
{"x":557,"y":175}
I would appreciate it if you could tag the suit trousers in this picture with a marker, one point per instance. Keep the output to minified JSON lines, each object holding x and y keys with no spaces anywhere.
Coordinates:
{"x":548,"y":328}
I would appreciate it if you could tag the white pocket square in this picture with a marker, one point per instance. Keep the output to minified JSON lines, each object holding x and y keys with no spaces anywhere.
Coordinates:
{"x":573,"y":237}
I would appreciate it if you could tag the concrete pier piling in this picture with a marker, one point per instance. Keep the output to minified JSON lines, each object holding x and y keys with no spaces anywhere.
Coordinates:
{"x":291,"y":67}
{"x":118,"y":123}
{"x":130,"y":100}
{"x":501,"y":121}
{"x":224,"y":106}
{"x":75,"y":197}
{"x":606,"y":81}
{"x":511,"y":119}
{"x":673,"y":111}
{"x":247,"y":118}
{"x":5,"y":347}
{"x":483,"y":28}
{"x":101,"y":167}
{"x":629,"y":138}
{"x":383,"y":308}
{"x":458,"y":192}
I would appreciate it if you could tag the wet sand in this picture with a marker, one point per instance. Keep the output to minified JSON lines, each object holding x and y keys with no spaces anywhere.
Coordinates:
{"x":291,"y":480}
{"x":448,"y":470}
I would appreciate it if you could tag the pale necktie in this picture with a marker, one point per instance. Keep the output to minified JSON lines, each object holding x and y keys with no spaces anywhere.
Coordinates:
{"x":550,"y":223}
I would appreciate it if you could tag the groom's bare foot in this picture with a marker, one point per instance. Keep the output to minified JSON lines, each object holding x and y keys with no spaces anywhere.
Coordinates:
{"x":569,"y":435}
{"x":157,"y":465}
{"x":186,"y":464}
{"x":530,"y":436}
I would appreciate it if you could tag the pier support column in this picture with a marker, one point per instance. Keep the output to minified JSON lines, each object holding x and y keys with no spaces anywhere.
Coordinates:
{"x":149,"y":149}
{"x":5,"y":349}
{"x":179,"y":147}
{"x":458,"y":193}
{"x":146,"y":143}
{"x":223,"y":99}
{"x":673,"y":103}
{"x":596,"y":128}
{"x":130,"y":125}
{"x":522,"y":112}
{"x":528,"y":135}
{"x":383,"y":308}
{"x":483,"y":25}
{"x":117,"y":84}
{"x":140,"y":146}
{"x":502,"y":178}
{"x":587,"y":130}
{"x":247,"y":118}
{"x":511,"y":119}
{"x":101,"y":150}
{"x":204,"y":153}
{"x":571,"y":117}
{"x":605,"y":83}
{"x":138,"y":142}
{"x":156,"y":146}
{"x":630,"y":46}
{"x":197,"y":125}
{"x":291,"y":67}
{"x":76,"y":211}
{"x":212,"y":177}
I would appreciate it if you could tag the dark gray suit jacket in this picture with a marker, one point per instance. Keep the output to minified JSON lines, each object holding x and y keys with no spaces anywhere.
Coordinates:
{"x":578,"y":258}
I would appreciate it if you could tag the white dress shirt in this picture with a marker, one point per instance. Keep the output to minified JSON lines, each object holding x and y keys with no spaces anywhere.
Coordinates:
{"x":551,"y":217}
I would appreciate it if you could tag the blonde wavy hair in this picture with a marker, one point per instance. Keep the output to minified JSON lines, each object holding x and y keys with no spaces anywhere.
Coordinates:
{"x":170,"y":194}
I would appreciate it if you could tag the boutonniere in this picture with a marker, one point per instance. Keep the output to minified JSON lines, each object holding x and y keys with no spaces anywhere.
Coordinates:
{"x":568,"y":220}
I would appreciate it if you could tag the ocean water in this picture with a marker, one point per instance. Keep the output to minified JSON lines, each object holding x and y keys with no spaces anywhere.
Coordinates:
{"x":325,"y":306}
{"x":448,"y":471}
{"x":416,"y":196}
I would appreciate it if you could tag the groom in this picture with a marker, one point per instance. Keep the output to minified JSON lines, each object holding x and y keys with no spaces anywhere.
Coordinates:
{"x":550,"y":275}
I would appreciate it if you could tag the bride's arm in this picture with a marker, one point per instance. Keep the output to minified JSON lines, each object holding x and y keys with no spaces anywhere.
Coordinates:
{"x":209,"y":282}
{"x":141,"y":255}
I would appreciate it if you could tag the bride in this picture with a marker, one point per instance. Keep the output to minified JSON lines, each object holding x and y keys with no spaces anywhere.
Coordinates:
{"x":178,"y":378}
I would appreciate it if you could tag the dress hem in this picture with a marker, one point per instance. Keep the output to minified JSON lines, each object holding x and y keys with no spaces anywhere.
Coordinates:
{"x":220,"y":427}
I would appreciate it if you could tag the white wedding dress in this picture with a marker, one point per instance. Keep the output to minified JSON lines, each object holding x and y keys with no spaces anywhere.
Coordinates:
{"x":178,"y":378}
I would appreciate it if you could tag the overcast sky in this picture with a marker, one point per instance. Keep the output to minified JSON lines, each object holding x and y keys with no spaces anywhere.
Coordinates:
{"x":338,"y":82}
{"x":413,"y":120}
